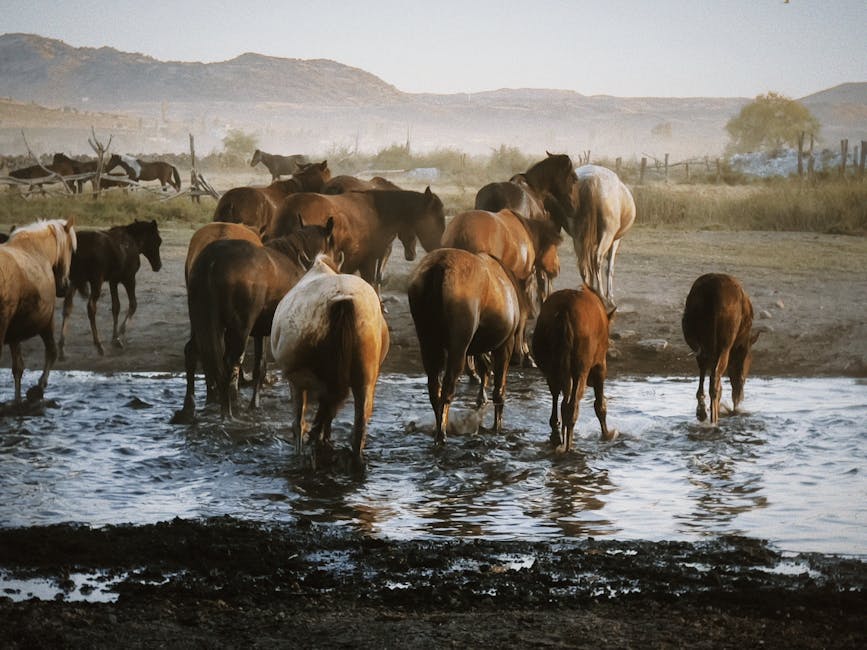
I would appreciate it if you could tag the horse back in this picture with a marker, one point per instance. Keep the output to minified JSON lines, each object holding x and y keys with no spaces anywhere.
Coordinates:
{"x":213,"y":232}
{"x":499,"y":234}
{"x":97,"y":258}
{"x":246,"y":205}
{"x":27,"y":294}
{"x":717,"y":316}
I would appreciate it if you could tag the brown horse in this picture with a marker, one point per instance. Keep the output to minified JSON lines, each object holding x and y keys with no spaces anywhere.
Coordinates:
{"x":570,"y":344}
{"x":604,"y":211}
{"x":717,"y":323}
{"x":343,"y":184}
{"x":329,"y":336}
{"x":77,"y":167}
{"x":255,"y":206}
{"x":34,"y":271}
{"x":554,"y":183}
{"x":46,"y":174}
{"x":234,"y":287}
{"x":527,"y":247}
{"x":464,"y":303}
{"x":514,"y":194}
{"x":279,"y":165}
{"x":110,"y":256}
{"x":141,"y":170}
{"x":211,"y":232}
{"x":366,"y":224}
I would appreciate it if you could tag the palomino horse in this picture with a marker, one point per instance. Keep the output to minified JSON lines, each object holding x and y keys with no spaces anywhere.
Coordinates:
{"x":717,"y":323}
{"x":464,"y":303}
{"x":569,"y":345}
{"x":514,"y":194}
{"x":366,"y":223}
{"x":279,"y":165}
{"x":329,"y":336}
{"x":34,"y":270}
{"x":234,"y":287}
{"x":527,"y":247}
{"x":605,"y":210}
{"x":141,"y":170}
{"x":110,"y":256}
{"x":255,"y":206}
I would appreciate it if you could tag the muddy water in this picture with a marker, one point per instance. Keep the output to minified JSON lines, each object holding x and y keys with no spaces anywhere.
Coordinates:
{"x":791,"y":469}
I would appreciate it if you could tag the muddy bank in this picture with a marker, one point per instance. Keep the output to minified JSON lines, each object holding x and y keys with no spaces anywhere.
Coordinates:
{"x":227,"y":582}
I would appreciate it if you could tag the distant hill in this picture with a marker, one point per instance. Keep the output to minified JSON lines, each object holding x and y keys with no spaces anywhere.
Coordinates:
{"x":317,"y":106}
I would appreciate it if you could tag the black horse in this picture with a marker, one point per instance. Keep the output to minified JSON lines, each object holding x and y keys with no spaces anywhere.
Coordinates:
{"x":110,"y":255}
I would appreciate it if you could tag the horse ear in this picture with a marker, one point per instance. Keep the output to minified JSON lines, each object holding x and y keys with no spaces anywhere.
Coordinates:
{"x":323,"y":165}
{"x":427,"y":193}
{"x":329,"y":226}
{"x":70,"y":222}
{"x":340,"y":259}
{"x":550,"y":155}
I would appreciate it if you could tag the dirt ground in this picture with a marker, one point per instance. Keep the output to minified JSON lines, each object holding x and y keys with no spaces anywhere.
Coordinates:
{"x":227,"y":583}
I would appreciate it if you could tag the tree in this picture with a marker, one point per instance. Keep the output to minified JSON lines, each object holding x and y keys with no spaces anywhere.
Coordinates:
{"x":238,"y":146}
{"x":770,"y":122}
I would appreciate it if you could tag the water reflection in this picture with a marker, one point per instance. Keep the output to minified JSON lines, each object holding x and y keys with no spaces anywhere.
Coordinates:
{"x":790,"y":470}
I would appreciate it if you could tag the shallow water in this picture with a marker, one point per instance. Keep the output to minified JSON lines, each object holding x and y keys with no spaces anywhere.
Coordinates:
{"x":789,"y":469}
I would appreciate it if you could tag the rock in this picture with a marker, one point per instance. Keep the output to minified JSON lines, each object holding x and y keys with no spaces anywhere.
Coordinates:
{"x":765,"y":314}
{"x":657,"y":345}
{"x":625,"y":334}
{"x":780,"y":304}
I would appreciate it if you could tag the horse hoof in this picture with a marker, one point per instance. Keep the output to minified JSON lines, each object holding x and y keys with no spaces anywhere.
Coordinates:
{"x":118,"y":344}
{"x":184,"y":416}
{"x":35,"y":393}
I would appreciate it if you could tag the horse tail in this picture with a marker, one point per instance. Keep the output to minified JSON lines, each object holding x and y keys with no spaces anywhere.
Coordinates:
{"x":206,"y":324}
{"x":341,"y":342}
{"x":176,"y":179}
{"x":586,"y":239}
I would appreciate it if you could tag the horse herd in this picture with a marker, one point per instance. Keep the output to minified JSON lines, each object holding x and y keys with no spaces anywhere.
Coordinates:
{"x":279,"y":262}
{"x":133,"y":168}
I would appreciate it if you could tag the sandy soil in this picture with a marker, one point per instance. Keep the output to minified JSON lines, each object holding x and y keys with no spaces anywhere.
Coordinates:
{"x":230,"y":583}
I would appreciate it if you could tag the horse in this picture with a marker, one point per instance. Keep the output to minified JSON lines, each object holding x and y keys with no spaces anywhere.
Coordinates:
{"x":527,"y":247}
{"x":215,"y":231}
{"x":110,"y":256}
{"x":604,"y":211}
{"x":343,"y":184}
{"x":366,"y":224}
{"x":514,"y":194}
{"x":553,"y":182}
{"x":76,"y":167}
{"x":233,"y":288}
{"x":570,"y":344}
{"x":464,"y":303}
{"x":46,"y":173}
{"x":141,"y":170}
{"x":279,"y":165}
{"x":717,"y":323}
{"x":34,"y":271}
{"x":255,"y":206}
{"x":329,"y":337}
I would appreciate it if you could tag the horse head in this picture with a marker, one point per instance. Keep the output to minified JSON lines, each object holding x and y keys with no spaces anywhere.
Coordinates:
{"x":123,"y":162}
{"x":147,"y":234}
{"x":64,"y":234}
{"x":257,"y":158}
{"x":431,"y":223}
{"x":312,"y":177}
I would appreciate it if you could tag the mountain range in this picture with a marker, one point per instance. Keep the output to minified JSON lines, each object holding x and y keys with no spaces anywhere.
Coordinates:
{"x":317,"y":106}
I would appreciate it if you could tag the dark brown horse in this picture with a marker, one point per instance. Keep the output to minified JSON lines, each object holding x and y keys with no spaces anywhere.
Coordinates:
{"x":717,"y":325}
{"x":343,"y":184}
{"x":553,"y":183}
{"x":34,"y":271}
{"x":329,"y":336}
{"x":255,"y":206}
{"x":570,"y":344}
{"x":279,"y":165}
{"x":514,"y":194}
{"x":366,"y":224}
{"x":110,"y":256}
{"x":463,"y":303}
{"x":141,"y":170}
{"x":233,"y":289}
{"x":77,"y":167}
{"x":45,"y":174}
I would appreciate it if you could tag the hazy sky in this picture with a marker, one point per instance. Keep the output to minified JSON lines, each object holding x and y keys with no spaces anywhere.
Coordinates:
{"x":617,"y":47}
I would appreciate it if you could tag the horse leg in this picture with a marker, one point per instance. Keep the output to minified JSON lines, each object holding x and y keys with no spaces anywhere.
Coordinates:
{"x":17,"y":368}
{"x":500,"y":358}
{"x":191,"y":359}
{"x":600,"y":404}
{"x":454,"y":367}
{"x":132,"y":306}
{"x":234,"y":352}
{"x":571,"y":407}
{"x":554,"y":420}
{"x":701,"y":409}
{"x":47,"y":336}
{"x":362,"y":395}
{"x":258,"y":369}
{"x":299,"y":403}
{"x":95,"y":291}
{"x":612,"y":253}
{"x":67,"y":311}
{"x":715,"y":387}
{"x":483,"y":369}
{"x":434,"y":360}
{"x":320,"y":434}
{"x":115,"y":313}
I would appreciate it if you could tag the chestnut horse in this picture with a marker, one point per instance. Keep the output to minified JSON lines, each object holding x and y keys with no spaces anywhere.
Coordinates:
{"x":255,"y":206}
{"x":570,"y":344}
{"x":110,"y":256}
{"x":605,"y":210}
{"x":234,"y":287}
{"x":329,"y":336}
{"x":279,"y":165}
{"x":211,"y":232}
{"x":464,"y":303}
{"x":717,"y":323}
{"x":141,"y":170}
{"x":34,"y":271}
{"x":366,"y":223}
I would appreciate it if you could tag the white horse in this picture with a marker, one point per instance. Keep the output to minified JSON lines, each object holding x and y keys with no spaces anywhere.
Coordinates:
{"x":604,"y":212}
{"x":329,"y":336}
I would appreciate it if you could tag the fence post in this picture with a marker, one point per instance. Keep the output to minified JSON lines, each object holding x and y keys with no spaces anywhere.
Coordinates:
{"x":666,"y":168}
{"x":194,"y":175}
{"x":686,"y":165}
{"x":617,"y":165}
{"x":863,"y":158}
{"x":641,"y":172}
{"x":718,"y":170}
{"x":844,"y":153}
{"x":801,"y":155}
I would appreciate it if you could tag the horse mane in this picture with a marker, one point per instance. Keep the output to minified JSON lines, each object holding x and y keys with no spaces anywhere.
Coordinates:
{"x":57,"y":227}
